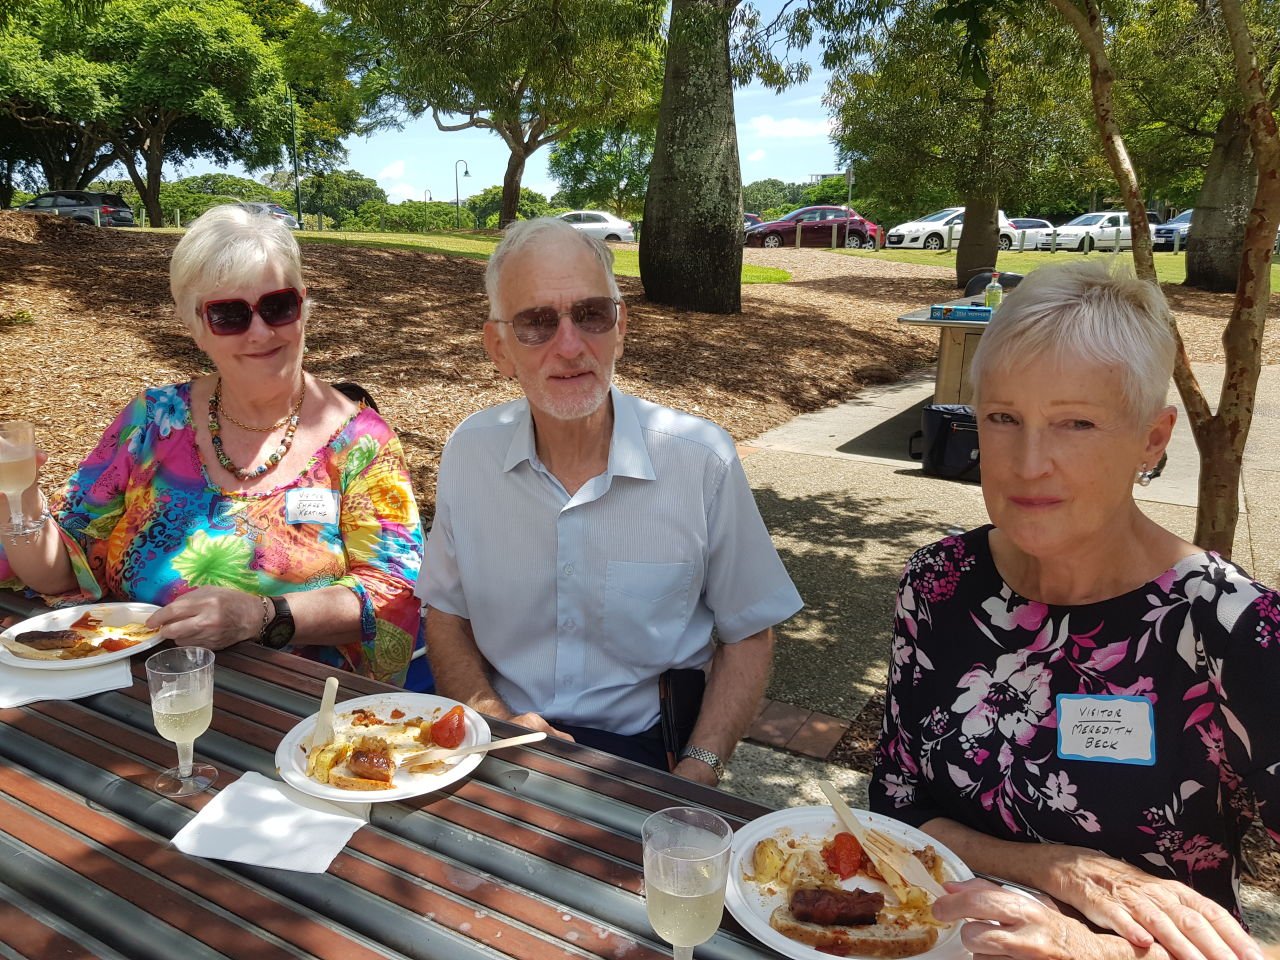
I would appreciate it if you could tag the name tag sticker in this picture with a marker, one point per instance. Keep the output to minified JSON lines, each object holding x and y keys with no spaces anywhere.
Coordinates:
{"x":313,"y":505}
{"x":1106,"y":729}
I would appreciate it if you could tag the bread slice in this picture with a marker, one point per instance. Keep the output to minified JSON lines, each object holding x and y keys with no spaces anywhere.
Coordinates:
{"x":888,"y":938}
{"x":357,"y":783}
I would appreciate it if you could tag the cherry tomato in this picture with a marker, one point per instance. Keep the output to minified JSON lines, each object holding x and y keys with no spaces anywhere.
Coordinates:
{"x":449,"y":729}
{"x":842,"y":855}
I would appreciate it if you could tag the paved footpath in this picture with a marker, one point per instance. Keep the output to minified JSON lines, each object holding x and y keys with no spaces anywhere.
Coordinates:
{"x":847,"y":506}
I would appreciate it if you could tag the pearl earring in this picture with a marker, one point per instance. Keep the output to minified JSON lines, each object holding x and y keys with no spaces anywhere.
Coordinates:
{"x":1144,"y":476}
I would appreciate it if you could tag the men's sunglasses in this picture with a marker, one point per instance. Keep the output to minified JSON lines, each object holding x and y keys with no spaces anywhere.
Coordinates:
{"x":277,"y":309}
{"x":537,"y":325}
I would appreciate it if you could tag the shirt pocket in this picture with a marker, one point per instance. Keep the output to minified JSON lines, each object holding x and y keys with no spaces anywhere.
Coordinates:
{"x":646,"y":610}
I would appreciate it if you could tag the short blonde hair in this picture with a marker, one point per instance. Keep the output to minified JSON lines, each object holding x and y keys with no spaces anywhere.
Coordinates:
{"x":1085,"y":312}
{"x":223,"y":243}
{"x":523,"y":233}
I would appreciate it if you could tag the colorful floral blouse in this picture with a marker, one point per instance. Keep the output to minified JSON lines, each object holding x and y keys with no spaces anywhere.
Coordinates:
{"x":142,"y":521}
{"x":971,"y":723}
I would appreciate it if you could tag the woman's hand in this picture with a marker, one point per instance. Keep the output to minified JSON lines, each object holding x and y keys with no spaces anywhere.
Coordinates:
{"x":1148,"y":910}
{"x":213,"y":617}
{"x":1005,"y":923}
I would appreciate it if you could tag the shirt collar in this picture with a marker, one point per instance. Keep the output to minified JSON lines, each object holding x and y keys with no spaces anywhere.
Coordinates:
{"x":628,"y":454}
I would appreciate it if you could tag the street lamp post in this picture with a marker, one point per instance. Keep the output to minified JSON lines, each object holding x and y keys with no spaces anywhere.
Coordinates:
{"x":426,"y":196}
{"x":293,"y":129}
{"x":457,"y":194}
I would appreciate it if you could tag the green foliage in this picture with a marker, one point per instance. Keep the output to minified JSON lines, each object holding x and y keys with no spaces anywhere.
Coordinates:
{"x":17,"y":318}
{"x":772,"y":194}
{"x":911,"y":128}
{"x":487,"y":204}
{"x":531,"y":71}
{"x":411,"y":216}
{"x":832,"y":190}
{"x":340,"y":194}
{"x":229,"y":185}
{"x":20,"y":197}
{"x":605,"y":168}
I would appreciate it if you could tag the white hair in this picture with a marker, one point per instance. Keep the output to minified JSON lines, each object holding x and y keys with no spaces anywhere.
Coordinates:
{"x":223,"y":244}
{"x":1085,"y":312}
{"x":522,"y":233}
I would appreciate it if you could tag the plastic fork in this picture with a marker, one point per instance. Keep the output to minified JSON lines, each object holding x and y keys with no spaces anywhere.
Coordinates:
{"x":323,"y":732}
{"x":437,"y":754}
{"x":884,"y":850}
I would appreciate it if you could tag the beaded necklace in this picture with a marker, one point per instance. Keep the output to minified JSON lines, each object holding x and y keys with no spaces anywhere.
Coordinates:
{"x":215,"y":435}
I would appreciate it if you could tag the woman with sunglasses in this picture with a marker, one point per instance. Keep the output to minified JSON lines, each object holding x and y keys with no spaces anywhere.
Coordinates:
{"x":253,"y":503}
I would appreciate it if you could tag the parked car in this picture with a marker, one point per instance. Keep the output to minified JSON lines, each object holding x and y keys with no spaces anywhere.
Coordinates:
{"x":79,"y":205}
{"x":815,"y":223}
{"x":931,"y":232}
{"x":1029,"y":230}
{"x":274,"y":210}
{"x":750,"y":220}
{"x":1101,"y":229}
{"x":601,"y":225}
{"x":1163,"y":236}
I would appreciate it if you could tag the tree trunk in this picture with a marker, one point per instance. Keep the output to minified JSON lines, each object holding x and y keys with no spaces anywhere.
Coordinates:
{"x":1217,"y":226}
{"x":511,"y":186}
{"x":691,"y":244}
{"x":980,"y":241}
{"x":1222,"y":449}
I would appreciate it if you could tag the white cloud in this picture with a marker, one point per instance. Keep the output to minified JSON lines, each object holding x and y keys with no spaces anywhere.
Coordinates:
{"x":755,"y":156}
{"x":393,"y":171}
{"x":402,"y":191}
{"x":790,"y":128}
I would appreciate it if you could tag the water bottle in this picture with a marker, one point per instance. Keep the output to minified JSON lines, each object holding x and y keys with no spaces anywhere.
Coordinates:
{"x":993,"y":293}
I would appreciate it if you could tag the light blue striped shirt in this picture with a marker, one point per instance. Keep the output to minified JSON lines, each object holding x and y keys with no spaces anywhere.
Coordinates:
{"x":580,"y":602}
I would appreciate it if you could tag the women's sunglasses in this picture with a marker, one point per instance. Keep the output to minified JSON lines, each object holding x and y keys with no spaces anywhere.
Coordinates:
{"x":536,"y":325}
{"x":277,"y":309}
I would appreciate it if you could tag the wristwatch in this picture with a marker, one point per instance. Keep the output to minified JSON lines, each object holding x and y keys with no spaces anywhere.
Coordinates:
{"x":277,"y":633}
{"x":707,"y":757}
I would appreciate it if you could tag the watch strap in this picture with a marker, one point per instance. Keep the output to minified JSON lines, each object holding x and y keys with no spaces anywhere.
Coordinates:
{"x":707,"y":757}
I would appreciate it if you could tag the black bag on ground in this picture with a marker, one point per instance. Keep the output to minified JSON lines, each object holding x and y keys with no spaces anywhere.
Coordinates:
{"x":949,"y":442}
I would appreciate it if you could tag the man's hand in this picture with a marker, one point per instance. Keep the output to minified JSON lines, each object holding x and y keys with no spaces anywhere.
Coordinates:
{"x":213,"y":617}
{"x":534,"y":721}
{"x":697,"y":771}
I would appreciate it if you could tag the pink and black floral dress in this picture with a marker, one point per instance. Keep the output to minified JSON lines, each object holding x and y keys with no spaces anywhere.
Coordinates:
{"x":980,"y":678}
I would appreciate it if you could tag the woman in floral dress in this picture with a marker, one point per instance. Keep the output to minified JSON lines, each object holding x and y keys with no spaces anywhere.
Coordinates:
{"x":1079,"y":700}
{"x":254,"y":503}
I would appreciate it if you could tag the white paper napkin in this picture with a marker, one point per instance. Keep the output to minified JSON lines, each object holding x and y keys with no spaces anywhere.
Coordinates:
{"x":19,"y":685}
{"x":270,"y":824}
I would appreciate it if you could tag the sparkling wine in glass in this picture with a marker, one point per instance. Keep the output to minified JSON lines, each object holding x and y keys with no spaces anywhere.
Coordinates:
{"x":181,"y":684}
{"x":686,"y":865}
{"x":17,"y":472}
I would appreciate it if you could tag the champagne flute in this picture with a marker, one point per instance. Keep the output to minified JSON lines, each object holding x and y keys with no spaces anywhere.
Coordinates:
{"x":686,"y":864}
{"x":17,"y":472}
{"x":181,"y":684}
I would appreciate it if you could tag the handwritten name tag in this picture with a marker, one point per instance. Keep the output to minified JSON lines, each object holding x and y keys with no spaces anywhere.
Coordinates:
{"x":1106,"y":729}
{"x":313,"y":505}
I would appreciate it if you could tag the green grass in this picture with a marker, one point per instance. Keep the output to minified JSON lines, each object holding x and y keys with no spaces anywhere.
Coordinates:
{"x":626,"y":261}
{"x":1170,"y":267}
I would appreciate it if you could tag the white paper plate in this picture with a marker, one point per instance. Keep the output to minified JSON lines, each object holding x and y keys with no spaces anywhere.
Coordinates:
{"x":111,"y":615}
{"x":752,"y":905}
{"x":291,"y":755}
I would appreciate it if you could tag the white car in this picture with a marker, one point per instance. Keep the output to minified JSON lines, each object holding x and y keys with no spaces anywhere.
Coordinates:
{"x":932,"y":232}
{"x":1028,"y":231}
{"x":601,"y":225}
{"x":1103,"y":230}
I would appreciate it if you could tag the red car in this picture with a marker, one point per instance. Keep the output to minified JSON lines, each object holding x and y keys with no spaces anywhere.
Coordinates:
{"x":815,"y":225}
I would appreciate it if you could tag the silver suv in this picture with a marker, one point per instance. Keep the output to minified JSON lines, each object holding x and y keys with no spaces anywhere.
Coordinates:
{"x":80,"y":206}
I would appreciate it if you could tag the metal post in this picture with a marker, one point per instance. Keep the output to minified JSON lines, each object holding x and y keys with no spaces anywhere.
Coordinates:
{"x":951,"y":234}
{"x":457,"y":193}
{"x":297,"y":183}
{"x":834,"y":228}
{"x":97,"y":217}
{"x":1177,"y":237}
{"x":1022,"y":240}
{"x":177,"y":217}
{"x":1115,"y":247}
{"x":1053,"y":241}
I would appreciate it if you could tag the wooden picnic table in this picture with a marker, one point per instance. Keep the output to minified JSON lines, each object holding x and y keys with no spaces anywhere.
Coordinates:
{"x":535,"y":855}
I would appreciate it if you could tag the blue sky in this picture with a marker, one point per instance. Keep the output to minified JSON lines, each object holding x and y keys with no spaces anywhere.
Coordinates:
{"x":779,"y":135}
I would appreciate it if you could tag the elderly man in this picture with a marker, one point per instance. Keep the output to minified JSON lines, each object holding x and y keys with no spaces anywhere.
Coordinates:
{"x":585,"y":542}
